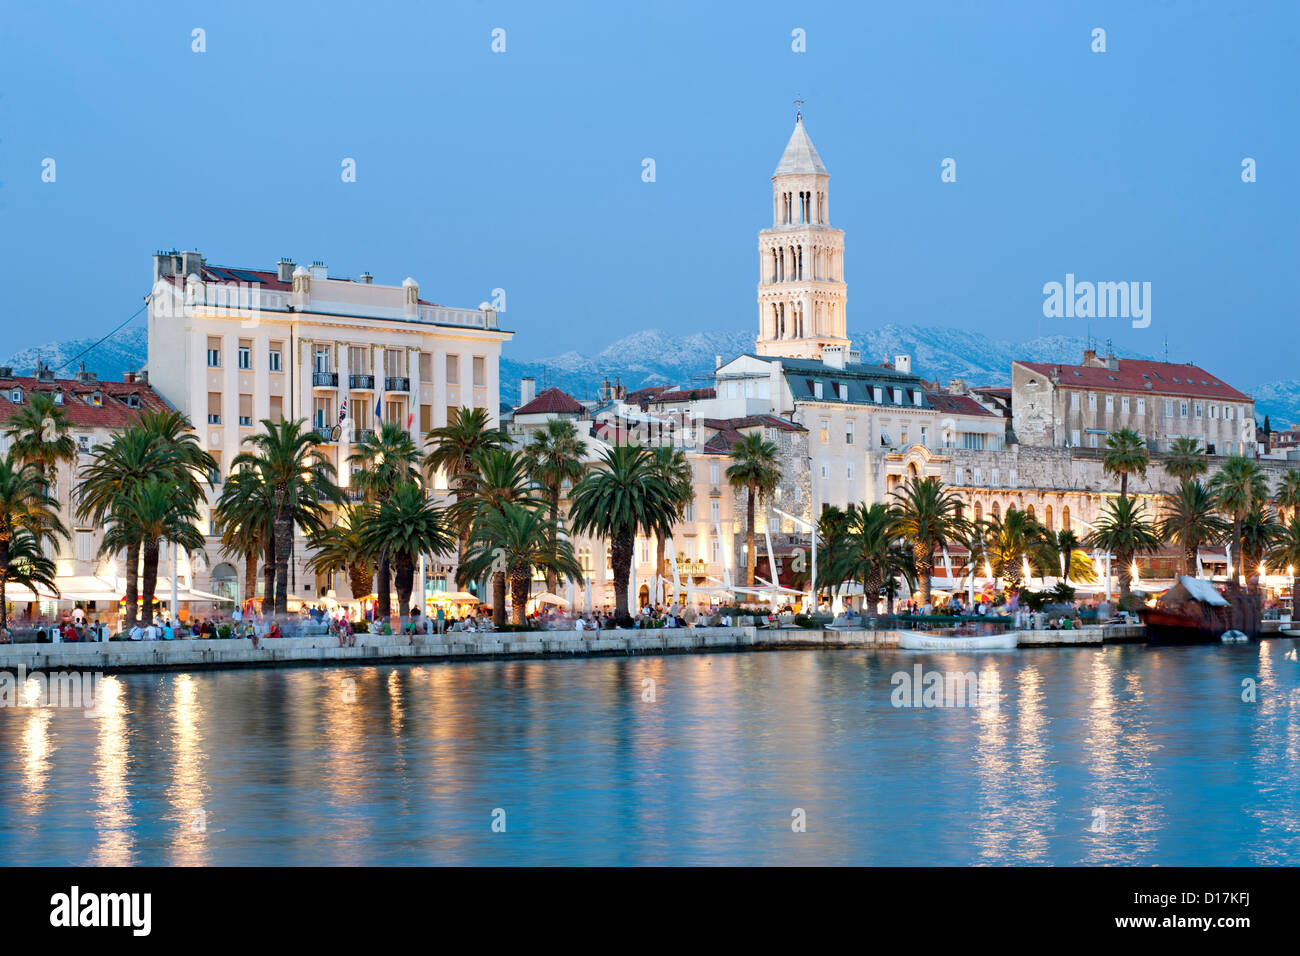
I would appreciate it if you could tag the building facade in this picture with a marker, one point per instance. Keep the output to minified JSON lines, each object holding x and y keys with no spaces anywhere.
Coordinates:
{"x":230,"y":347}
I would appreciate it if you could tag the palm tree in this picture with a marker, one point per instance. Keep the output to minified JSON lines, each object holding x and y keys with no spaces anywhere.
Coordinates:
{"x":1288,"y":494}
{"x":867,"y":553}
{"x":301,"y":484}
{"x":832,"y":537}
{"x":756,"y":471}
{"x":1125,"y":531}
{"x":1015,"y":538}
{"x":145,"y":516}
{"x":555,"y":454}
{"x":1259,"y":529}
{"x":1071,"y":561}
{"x":341,"y":547}
{"x":455,"y":446}
{"x":518,"y":539}
{"x":382,"y":462}
{"x":620,"y":498}
{"x":405,"y":525}
{"x":25,"y":564}
{"x":671,"y":465}
{"x":1192,"y":522}
{"x":245,"y":521}
{"x":160,"y":445}
{"x":1239,"y":483}
{"x":1185,"y":459}
{"x":1285,"y":553}
{"x":497,"y":476}
{"x":28,"y":520}
{"x":38,"y":433}
{"x":929,"y":517}
{"x":1126,"y":454}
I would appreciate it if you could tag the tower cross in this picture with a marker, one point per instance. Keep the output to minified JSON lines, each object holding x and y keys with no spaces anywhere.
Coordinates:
{"x":798,"y":106}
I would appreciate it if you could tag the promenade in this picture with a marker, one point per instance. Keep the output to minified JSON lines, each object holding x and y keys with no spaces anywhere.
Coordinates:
{"x":396,"y":648}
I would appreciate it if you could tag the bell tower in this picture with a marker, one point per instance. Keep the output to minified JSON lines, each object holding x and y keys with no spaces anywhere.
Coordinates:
{"x":801,"y":291}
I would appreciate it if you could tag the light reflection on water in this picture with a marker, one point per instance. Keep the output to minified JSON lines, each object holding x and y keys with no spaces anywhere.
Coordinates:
{"x":1118,"y":755}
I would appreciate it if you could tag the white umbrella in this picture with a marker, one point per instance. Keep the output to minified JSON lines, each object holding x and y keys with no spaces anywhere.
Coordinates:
{"x":546,"y":597}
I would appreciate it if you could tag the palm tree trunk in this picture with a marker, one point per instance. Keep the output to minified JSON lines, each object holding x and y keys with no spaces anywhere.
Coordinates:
{"x":4,"y":563}
{"x":924,"y":558}
{"x":132,"y":584}
{"x":404,"y":580}
{"x":383,"y":587}
{"x":360,"y":579}
{"x":268,"y":578}
{"x":620,"y":552}
{"x":519,"y":594}
{"x":283,"y":541}
{"x":749,"y":539}
{"x":552,"y":580}
{"x":498,"y":598}
{"x":149,"y":583}
{"x":1239,"y":568}
{"x":1125,"y":571}
{"x":1189,"y":562}
{"x":1123,"y":484}
{"x":659,"y":568}
{"x":250,"y":574}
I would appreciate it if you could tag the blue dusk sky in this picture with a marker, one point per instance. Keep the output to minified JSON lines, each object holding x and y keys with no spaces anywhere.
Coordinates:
{"x":522,"y":170}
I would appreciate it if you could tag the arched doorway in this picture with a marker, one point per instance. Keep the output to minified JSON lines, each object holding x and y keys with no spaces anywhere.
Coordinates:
{"x":643,"y":597}
{"x":225,"y":581}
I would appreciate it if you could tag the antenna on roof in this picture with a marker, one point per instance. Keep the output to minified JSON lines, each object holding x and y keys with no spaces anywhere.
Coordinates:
{"x":1166,"y":350}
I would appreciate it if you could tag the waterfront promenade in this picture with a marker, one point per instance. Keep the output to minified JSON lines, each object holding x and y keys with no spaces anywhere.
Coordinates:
{"x":397,"y":648}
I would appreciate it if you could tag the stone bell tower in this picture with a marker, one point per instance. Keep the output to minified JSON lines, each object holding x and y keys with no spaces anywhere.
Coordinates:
{"x":801,"y":291}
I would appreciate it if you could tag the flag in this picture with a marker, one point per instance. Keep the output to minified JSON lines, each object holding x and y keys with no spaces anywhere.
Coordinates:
{"x":379,"y":415}
{"x":410,"y":420}
{"x":343,"y":411}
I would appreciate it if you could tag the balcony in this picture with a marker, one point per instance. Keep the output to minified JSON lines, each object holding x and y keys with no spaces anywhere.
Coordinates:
{"x":325,"y":379}
{"x":361,"y":434}
{"x":396,"y":384}
{"x":361,"y":381}
{"x":324,"y":433}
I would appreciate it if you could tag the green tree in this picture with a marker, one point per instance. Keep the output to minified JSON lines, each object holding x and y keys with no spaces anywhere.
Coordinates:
{"x":38,"y":433}
{"x":301,"y":483}
{"x":1236,"y":487}
{"x":1192,"y":521}
{"x":929,"y":517}
{"x":244,"y":519}
{"x":468,"y":432}
{"x":1285,"y":553}
{"x":497,"y":476}
{"x":341,"y":547}
{"x":1288,"y":494}
{"x":1015,"y":538}
{"x":832,"y":538}
{"x":1125,"y":531}
{"x":754,"y":469}
{"x":555,"y":455}
{"x":670,"y":464}
{"x":383,"y":462}
{"x":1185,"y":459}
{"x":145,"y":516}
{"x":1069,"y":560}
{"x":1259,"y":529}
{"x":26,"y":565}
{"x":1126,"y":454}
{"x":514,"y":539}
{"x":867,"y":553}
{"x":618,"y":499}
{"x":28,"y":520}
{"x":159,"y":445}
{"x":404,"y":526}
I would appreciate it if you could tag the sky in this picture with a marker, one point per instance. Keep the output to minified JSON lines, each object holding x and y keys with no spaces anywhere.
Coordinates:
{"x":522,"y":170}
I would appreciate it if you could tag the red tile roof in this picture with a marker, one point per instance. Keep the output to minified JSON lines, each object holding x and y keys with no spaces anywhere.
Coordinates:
{"x":729,"y":430}
{"x":684,"y":395}
{"x":1137,"y":375}
{"x":957,"y":404}
{"x":112,"y":413}
{"x":551,"y":402}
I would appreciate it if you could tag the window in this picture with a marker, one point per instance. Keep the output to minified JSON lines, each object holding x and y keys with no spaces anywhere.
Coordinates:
{"x":996,"y":476}
{"x":1169,"y":408}
{"x":1110,"y":403}
{"x":480,"y":370}
{"x":1214,"y":411}
{"x":878,"y":394}
{"x":358,"y":360}
{"x":426,"y":366}
{"x":273,"y":358}
{"x":825,"y":471}
{"x":214,"y":408}
{"x":85,"y":545}
{"x":453,"y":369}
{"x":715,"y":472}
{"x":1123,"y":405}
{"x":817,"y":390}
{"x":58,"y":397}
{"x":1012,"y":478}
{"x":925,"y":436}
{"x":825,"y":431}
{"x":1074,"y":401}
{"x":1074,"y":438}
{"x":96,"y":399}
{"x":715,"y":510}
{"x":956,"y":475}
{"x":133,"y":400}
{"x":277,"y":409}
{"x":849,"y":473}
{"x":1092,"y":441}
{"x":320,"y":361}
{"x":979,"y":476}
{"x":1198,"y":409}
{"x":245,"y":357}
{"x":1092,"y":402}
{"x":426,"y":418}
{"x":1142,"y":406}
{"x":715,"y":551}
{"x":898,"y":396}
{"x":917,"y":396}
{"x":972,"y":440}
{"x":245,"y":410}
{"x":848,"y":432}
{"x":1182,"y":409}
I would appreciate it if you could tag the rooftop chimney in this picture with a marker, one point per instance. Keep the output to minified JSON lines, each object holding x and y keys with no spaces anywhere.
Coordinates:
{"x":6,"y":371}
{"x":192,"y":264}
{"x":1112,"y":362}
{"x":367,"y":279}
{"x":903,"y":363}
{"x":318,"y":270}
{"x":284,"y":270}
{"x":833,"y":356}
{"x":83,"y":375}
{"x":527,"y":390}
{"x":717,"y":361}
{"x":1089,"y":356}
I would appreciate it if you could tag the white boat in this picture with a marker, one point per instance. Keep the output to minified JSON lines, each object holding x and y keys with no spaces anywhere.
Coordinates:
{"x":930,"y":641}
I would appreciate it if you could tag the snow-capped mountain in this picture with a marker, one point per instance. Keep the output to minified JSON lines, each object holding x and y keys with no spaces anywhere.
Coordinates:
{"x":655,"y":357}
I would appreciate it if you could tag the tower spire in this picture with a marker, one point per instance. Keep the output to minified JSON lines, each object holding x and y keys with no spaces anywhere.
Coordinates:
{"x":798,"y":107}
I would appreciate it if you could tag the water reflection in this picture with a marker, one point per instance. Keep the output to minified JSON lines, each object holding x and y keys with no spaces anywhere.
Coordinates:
{"x":1106,"y":755}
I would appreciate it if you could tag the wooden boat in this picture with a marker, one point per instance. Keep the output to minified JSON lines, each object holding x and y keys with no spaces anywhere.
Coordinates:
{"x":1194,"y":612}
{"x":934,"y":641}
